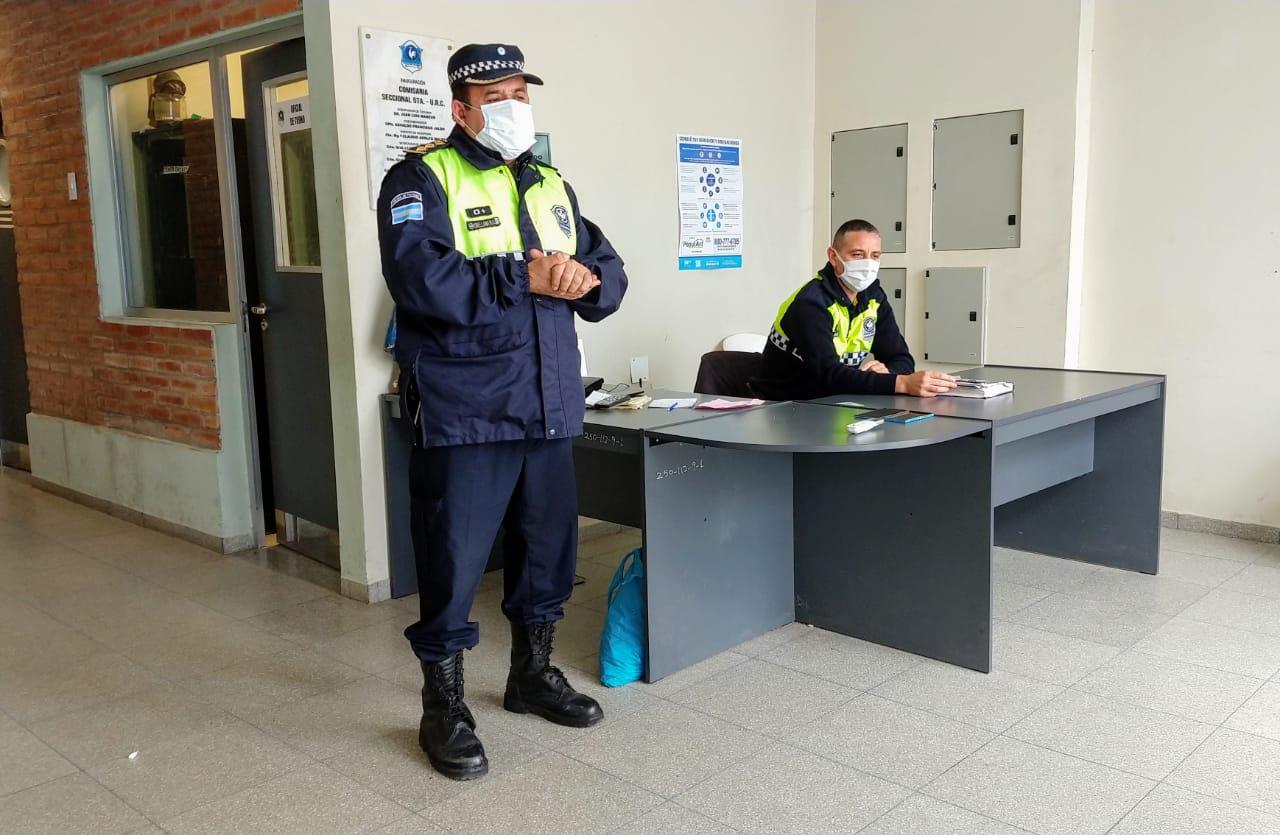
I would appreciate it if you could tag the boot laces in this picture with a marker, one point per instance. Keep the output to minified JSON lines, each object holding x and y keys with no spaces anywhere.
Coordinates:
{"x":451,"y":686}
{"x":541,"y":637}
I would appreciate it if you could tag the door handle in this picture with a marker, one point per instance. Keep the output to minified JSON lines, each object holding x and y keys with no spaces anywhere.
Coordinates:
{"x":258,"y":309}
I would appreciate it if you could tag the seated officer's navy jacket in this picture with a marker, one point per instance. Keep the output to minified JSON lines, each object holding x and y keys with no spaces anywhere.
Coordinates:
{"x":820,"y":338}
{"x":482,"y":359}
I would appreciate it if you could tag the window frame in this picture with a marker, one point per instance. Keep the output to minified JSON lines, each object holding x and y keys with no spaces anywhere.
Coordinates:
{"x":275,"y":172}
{"x":114,"y":249}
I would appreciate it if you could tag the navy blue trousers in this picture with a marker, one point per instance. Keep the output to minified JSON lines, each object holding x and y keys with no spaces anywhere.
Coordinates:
{"x":462,"y":497}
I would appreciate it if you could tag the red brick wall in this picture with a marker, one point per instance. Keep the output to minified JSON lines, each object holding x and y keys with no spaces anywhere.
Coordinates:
{"x":158,"y":381}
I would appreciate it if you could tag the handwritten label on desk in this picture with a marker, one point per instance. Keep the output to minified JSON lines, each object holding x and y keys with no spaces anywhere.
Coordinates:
{"x":605,"y":439}
{"x":680,"y":469}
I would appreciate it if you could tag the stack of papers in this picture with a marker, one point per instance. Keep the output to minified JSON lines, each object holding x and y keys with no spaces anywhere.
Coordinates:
{"x":726,"y":405}
{"x":980,"y":389}
{"x":637,"y":402}
{"x":670,"y":403}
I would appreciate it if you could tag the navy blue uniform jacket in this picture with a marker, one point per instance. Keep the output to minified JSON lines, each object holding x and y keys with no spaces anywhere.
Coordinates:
{"x":809,"y":366}
{"x":483,"y":359}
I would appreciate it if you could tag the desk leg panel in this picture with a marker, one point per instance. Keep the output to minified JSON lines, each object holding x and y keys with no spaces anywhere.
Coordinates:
{"x":1110,"y":516}
{"x":718,"y":550}
{"x":895,"y":547}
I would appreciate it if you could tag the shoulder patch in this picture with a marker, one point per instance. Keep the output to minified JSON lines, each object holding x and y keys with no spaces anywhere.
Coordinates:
{"x":433,"y":145}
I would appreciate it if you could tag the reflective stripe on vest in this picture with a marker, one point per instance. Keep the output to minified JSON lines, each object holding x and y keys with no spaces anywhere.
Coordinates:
{"x":852,"y":337}
{"x":484,"y":206}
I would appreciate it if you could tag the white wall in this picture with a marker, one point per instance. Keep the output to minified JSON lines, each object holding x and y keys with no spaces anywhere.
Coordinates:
{"x":883,"y":62}
{"x":1183,"y":238}
{"x":622,"y":81}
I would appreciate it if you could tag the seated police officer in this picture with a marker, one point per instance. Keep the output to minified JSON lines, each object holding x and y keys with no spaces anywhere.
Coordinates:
{"x":489,"y":261}
{"x":837,"y":334}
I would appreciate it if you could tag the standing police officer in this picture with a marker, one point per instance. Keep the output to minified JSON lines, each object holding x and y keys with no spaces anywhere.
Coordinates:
{"x":488,"y":260}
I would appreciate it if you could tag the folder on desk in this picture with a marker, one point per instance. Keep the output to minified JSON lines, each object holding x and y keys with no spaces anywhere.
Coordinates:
{"x":978,"y":389}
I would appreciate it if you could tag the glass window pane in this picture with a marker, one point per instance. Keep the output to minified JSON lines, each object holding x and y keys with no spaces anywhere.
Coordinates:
{"x":167,"y":153}
{"x":293,"y":176}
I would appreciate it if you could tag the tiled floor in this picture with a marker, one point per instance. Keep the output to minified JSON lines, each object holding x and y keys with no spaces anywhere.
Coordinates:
{"x":148,"y":685}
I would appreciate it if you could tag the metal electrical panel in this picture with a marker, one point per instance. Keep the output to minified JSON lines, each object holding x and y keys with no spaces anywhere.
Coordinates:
{"x":955,"y":317}
{"x":869,"y":181}
{"x":977,"y":181}
{"x":893,"y":280}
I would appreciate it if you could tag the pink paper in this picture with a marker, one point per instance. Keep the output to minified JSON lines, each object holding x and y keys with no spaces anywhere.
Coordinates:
{"x":726,"y":405}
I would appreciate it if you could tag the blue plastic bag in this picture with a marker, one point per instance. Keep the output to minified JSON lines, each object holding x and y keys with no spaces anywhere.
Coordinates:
{"x":622,"y":641}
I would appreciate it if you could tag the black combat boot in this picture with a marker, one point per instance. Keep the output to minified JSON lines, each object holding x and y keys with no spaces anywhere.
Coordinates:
{"x":534,"y":686}
{"x":447,"y":732}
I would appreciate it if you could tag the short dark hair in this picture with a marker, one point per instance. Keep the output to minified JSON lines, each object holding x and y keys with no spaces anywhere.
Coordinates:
{"x":461,"y":91}
{"x":851,"y":226}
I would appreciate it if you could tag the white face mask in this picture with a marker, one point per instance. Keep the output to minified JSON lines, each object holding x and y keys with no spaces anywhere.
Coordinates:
{"x":858,"y":275}
{"x":508,"y":127}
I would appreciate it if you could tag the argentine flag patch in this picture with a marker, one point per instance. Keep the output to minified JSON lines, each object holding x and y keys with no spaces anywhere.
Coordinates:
{"x":406,"y":206}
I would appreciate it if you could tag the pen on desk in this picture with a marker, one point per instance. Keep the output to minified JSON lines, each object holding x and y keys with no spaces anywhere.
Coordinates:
{"x":672,"y":406}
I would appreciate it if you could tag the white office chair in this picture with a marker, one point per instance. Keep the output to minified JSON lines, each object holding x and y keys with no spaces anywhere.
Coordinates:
{"x":749,"y":342}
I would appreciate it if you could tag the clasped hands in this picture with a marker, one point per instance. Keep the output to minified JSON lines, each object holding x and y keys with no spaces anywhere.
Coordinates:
{"x":559,"y":276}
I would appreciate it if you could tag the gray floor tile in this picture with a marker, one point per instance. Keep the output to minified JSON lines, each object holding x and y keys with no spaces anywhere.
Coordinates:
{"x":689,"y":676}
{"x":1171,"y":686}
{"x":764,"y":697}
{"x":1197,"y":568}
{"x":204,"y":650}
{"x":994,"y":701}
{"x":1212,"y":645}
{"x":375,"y":648}
{"x":228,"y":572}
{"x":1260,"y":715}
{"x":258,"y":596}
{"x":773,"y":639}
{"x":311,"y":799}
{"x":74,"y":803}
{"x":1238,"y":611}
{"x":1139,"y":591}
{"x":1045,"y":656}
{"x":1170,"y":810}
{"x":1240,"y":550}
{"x":1040,"y":790}
{"x":666,"y":748}
{"x":891,"y":740}
{"x":553,"y":794}
{"x":923,"y":815}
{"x":784,"y":789}
{"x":1237,"y":767}
{"x":1038,"y":570}
{"x":115,"y":729}
{"x":25,"y":761}
{"x":395,"y":767}
{"x":609,"y":550}
{"x":1117,"y":734}
{"x":412,"y":825}
{"x":1112,"y":624}
{"x":673,"y":819}
{"x":365,"y":712}
{"x":1010,"y":597}
{"x":324,"y":619}
{"x":167,"y":779}
{"x":31,"y":696}
{"x":263,"y":683}
{"x":1263,"y":580}
{"x":842,"y":659}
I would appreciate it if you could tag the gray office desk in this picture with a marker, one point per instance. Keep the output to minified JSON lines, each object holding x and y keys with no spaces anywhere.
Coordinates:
{"x":696,"y":606}
{"x":1078,"y":460}
{"x":884,"y":536}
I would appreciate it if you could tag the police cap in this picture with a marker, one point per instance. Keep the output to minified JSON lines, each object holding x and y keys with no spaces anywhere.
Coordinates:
{"x":488,"y":63}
